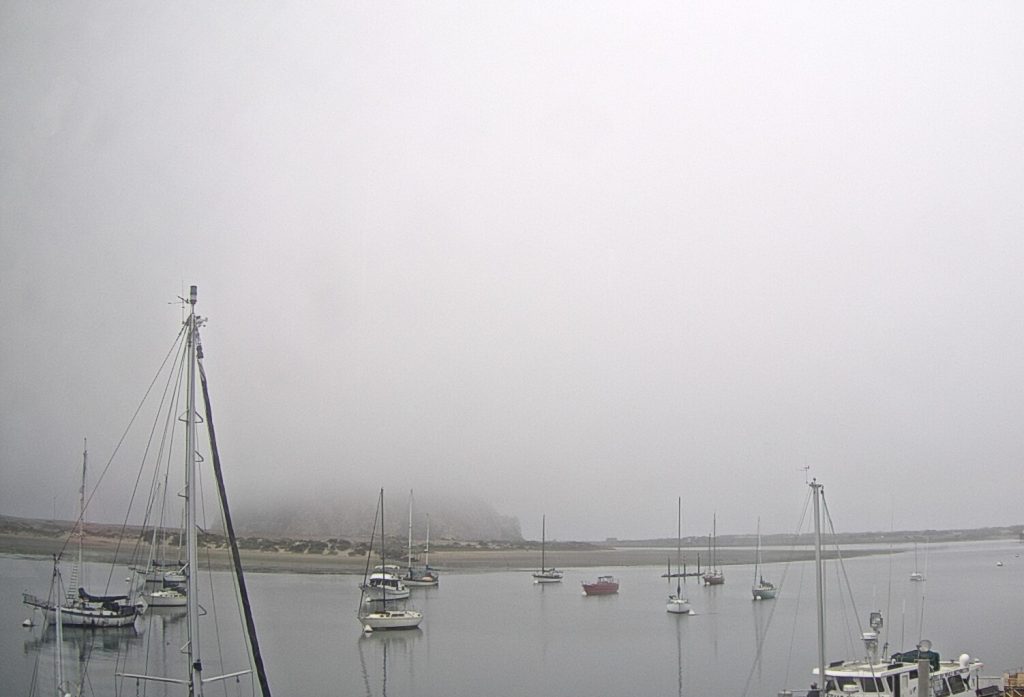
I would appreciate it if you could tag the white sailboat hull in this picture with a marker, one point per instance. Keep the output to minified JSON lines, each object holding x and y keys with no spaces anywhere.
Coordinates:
{"x":392,"y":619}
{"x":166,"y":597}
{"x":548,"y":577}
{"x":84,"y":615}
{"x":420,"y":582}
{"x":678,"y":606}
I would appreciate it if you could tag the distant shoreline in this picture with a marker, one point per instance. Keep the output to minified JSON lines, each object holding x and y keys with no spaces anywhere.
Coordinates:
{"x":106,"y":543}
{"x":103,"y":550}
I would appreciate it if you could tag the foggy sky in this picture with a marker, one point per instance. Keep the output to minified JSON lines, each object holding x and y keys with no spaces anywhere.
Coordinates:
{"x":574,"y":258}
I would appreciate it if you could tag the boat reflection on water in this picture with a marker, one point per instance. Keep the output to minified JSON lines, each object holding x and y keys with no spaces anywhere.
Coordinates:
{"x":83,"y":639}
{"x":80,"y":647}
{"x":679,"y":656}
{"x":389,"y":650}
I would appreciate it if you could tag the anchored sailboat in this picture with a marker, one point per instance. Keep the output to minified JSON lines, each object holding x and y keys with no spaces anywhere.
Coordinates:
{"x":545,"y":575}
{"x":424,"y":576}
{"x":713,"y":576}
{"x":72,"y":605}
{"x":375,"y":615}
{"x":762,"y":589}
{"x":916,"y":574}
{"x":677,"y":604}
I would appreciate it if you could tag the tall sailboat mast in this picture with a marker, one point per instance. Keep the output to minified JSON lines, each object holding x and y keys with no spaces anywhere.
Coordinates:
{"x":426,"y":550}
{"x":79,"y":571}
{"x":410,"y":532}
{"x":819,"y":578}
{"x":679,"y":537}
{"x":543,"y":540}
{"x":714,"y":541}
{"x":757,"y":553}
{"x":195,"y":681}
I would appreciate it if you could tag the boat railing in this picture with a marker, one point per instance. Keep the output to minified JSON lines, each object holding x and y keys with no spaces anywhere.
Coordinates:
{"x":35,"y":601}
{"x":991,"y":684}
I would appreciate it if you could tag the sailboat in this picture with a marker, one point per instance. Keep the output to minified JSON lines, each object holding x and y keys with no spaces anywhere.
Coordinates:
{"x":194,"y":678}
{"x":919,"y":671}
{"x":78,"y":608}
{"x":762,"y":590}
{"x":156,"y":573}
{"x":677,"y":604}
{"x":162,"y":586}
{"x":713,"y":576}
{"x":375,"y":616}
{"x":545,"y":574}
{"x":916,"y":575}
{"x":422,"y":577}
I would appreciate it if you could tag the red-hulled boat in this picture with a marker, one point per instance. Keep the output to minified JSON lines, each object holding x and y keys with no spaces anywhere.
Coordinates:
{"x":604,"y":585}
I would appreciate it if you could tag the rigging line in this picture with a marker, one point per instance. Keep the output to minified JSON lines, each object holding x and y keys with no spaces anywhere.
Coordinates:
{"x":124,"y":435}
{"x":888,"y":600}
{"x":135,"y":488}
{"x":172,"y":395}
{"x":239,"y":576}
{"x":201,"y":528}
{"x":239,"y":604}
{"x":373,"y":534}
{"x":920,"y":620}
{"x":759,"y":652}
{"x":840,"y":571}
{"x":796,"y":540}
{"x":849,"y":586}
{"x":771,"y":613}
{"x":759,"y":649}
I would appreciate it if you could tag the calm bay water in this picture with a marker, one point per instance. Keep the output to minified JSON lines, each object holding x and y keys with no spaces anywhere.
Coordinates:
{"x":496,"y":633}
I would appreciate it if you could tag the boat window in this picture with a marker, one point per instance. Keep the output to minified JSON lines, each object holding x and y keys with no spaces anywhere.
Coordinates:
{"x":843,"y":682}
{"x":872,"y":685}
{"x":939,"y":688}
{"x":957,"y":684}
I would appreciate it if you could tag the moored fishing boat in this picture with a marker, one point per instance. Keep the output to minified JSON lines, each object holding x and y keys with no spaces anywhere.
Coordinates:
{"x":604,"y":585}
{"x":916,"y":673}
{"x":384,"y":583}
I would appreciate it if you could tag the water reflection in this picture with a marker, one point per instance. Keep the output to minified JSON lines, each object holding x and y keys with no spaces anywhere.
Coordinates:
{"x":109,"y":640}
{"x":761,"y":615}
{"x":679,"y":656}
{"x":378,"y":648}
{"x":80,"y":647}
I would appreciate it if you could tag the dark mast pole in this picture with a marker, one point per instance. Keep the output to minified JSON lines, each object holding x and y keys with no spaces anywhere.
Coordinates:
{"x":250,"y":623}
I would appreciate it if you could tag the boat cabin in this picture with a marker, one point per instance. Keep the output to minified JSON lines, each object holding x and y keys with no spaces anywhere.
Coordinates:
{"x":386,"y":581}
{"x":899,"y":677}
